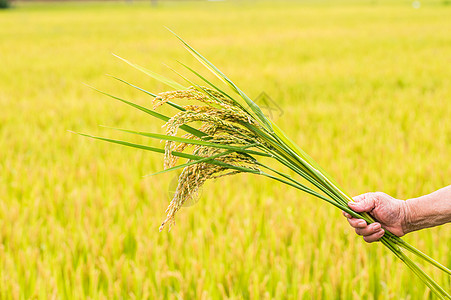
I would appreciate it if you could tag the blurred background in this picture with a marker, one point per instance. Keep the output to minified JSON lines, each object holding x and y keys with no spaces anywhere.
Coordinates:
{"x":362,"y":86}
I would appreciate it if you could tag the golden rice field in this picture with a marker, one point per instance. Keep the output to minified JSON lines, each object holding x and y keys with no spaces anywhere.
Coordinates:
{"x":364,"y":87}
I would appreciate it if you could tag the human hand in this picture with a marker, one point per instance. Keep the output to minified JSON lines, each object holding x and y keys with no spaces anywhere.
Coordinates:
{"x":390,"y":213}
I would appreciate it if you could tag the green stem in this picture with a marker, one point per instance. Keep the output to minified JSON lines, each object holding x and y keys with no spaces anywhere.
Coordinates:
{"x":306,"y":176}
{"x":312,"y":192}
{"x":420,"y":254}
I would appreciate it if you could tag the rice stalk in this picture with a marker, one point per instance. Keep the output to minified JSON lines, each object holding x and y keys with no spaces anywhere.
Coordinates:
{"x":233,"y":137}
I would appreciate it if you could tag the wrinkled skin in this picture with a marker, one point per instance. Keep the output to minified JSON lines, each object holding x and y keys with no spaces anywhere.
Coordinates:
{"x":390,"y":213}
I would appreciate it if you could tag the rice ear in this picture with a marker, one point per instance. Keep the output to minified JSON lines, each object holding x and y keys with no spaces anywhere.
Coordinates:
{"x":194,"y":176}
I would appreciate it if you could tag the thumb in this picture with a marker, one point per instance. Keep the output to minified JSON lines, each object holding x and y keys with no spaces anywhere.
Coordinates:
{"x":364,"y":203}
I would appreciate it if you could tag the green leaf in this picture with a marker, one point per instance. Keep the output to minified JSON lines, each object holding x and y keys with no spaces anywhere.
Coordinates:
{"x":154,"y":75}
{"x":193,"y":162}
{"x":142,"y":108}
{"x":148,"y":93}
{"x":186,"y":128}
{"x":208,"y":82}
{"x":310,"y":162}
{"x":199,"y":88}
{"x":217,"y":89}
{"x":134,"y":86}
{"x":138,"y":146}
{"x":175,"y":153}
{"x":255,"y":108}
{"x":190,"y":141}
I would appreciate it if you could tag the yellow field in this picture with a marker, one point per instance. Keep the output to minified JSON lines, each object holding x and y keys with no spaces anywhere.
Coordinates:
{"x":365,"y":89}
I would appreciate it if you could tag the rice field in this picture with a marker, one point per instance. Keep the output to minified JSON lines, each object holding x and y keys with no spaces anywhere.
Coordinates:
{"x":363,"y":87}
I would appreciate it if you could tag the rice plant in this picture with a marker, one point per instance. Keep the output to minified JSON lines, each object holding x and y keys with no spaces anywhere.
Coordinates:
{"x":226,"y":133}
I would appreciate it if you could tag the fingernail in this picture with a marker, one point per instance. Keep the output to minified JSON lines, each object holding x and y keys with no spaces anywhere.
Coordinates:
{"x":362,"y":223}
{"x":376,"y":226}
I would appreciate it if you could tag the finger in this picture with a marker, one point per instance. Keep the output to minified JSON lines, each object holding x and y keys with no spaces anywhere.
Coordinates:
{"x":359,"y":197}
{"x":357,"y":223}
{"x":368,"y":230}
{"x":374,"y":237}
{"x":347,"y":215}
{"x":364,"y":203}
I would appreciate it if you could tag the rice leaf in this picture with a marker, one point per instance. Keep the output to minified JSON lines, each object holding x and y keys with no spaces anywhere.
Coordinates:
{"x":254,"y":107}
{"x":190,"y":141}
{"x":155,"y":114}
{"x":154,"y":75}
{"x":193,"y":162}
{"x":148,"y":93}
{"x":175,"y":153}
{"x":217,"y":89}
{"x":132,"y":85}
{"x":198,"y":87}
{"x":138,"y":146}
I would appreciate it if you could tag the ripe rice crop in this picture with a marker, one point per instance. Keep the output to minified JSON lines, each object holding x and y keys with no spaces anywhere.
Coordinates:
{"x":234,"y":136}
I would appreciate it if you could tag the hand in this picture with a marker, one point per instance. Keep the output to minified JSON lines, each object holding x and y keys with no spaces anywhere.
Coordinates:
{"x":390,"y":213}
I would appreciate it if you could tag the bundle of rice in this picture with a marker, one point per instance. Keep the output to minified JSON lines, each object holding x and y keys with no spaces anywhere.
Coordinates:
{"x":234,"y":136}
